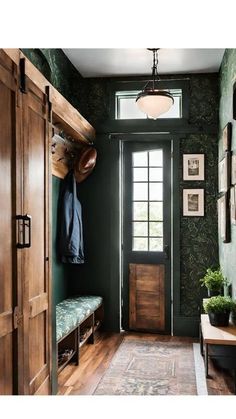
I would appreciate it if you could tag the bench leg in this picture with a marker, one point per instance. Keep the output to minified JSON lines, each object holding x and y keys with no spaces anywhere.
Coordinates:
{"x":91,"y":338}
{"x":77,"y":338}
{"x":201,"y":339}
{"x":206,"y":360}
{"x":235,"y":381}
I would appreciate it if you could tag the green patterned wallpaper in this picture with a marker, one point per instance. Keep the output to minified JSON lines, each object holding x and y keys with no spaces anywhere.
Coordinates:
{"x":227,"y":79}
{"x":57,"y":68}
{"x":198,"y":235}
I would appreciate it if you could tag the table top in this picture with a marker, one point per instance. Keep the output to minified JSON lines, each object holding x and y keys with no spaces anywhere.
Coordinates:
{"x":217,"y":335}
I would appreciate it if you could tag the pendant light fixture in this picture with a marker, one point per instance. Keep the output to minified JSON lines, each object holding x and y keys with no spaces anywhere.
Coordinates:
{"x":152,"y":101}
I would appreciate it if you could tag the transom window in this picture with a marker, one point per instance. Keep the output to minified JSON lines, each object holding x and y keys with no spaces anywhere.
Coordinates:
{"x":126,"y":107}
{"x":147,"y":201}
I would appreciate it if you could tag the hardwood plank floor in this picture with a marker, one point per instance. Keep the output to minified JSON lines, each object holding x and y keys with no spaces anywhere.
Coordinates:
{"x":95,"y":359}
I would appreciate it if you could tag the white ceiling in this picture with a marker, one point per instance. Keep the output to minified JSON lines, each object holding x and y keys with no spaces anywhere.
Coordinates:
{"x":106,"y":62}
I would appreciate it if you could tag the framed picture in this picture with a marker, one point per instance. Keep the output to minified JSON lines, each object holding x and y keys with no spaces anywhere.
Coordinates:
{"x":233,"y":169}
{"x":234,"y":101}
{"x":233,"y":204}
{"x":193,"y":202}
{"x":193,"y":167}
{"x":223,"y":218}
{"x":224,"y":173}
{"x":226,"y":137}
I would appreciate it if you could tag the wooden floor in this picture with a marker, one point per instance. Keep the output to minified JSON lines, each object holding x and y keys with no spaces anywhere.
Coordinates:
{"x":95,"y":359}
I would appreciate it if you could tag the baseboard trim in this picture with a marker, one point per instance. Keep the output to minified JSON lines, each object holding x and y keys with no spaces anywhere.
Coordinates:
{"x":199,"y":371}
{"x":186,"y":326}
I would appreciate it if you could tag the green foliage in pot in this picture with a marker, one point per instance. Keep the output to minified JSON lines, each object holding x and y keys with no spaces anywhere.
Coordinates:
{"x":214,"y":280}
{"x":218,"y":304}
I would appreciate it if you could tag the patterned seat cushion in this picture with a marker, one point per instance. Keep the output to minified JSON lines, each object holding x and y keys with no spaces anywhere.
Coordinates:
{"x":72,"y":311}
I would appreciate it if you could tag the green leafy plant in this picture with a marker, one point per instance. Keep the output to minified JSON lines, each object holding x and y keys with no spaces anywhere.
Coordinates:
{"x":218,"y":304}
{"x":214,"y":280}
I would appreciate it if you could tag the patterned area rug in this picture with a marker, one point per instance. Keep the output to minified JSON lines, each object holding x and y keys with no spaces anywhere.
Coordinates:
{"x":142,"y":367}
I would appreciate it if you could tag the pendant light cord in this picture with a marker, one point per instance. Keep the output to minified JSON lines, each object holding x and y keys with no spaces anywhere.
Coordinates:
{"x":154,"y":68}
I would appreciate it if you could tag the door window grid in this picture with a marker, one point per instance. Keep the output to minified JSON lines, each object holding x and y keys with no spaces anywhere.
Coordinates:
{"x":145,"y":238}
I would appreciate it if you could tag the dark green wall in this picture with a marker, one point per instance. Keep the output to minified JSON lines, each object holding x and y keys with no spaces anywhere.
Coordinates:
{"x":227,"y":79}
{"x":59,"y":270}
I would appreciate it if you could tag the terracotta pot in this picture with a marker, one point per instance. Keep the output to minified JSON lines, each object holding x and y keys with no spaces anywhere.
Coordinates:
{"x":219,"y":319}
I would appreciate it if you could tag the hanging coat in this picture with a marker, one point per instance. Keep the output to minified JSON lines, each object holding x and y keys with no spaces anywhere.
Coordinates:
{"x":70,"y":229}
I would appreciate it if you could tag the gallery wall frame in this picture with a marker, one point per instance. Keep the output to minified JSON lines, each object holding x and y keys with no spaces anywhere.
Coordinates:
{"x":193,"y":202}
{"x":233,"y":169}
{"x":224,"y":173}
{"x":233,"y":204}
{"x":224,"y":217}
{"x":227,"y":136}
{"x":234,"y":101}
{"x":193,"y":166}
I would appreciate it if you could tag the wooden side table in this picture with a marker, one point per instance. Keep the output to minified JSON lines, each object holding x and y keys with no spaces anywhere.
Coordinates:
{"x":211,"y":335}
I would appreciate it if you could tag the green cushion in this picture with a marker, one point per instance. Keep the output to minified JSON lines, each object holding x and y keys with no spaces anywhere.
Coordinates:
{"x":72,"y":311}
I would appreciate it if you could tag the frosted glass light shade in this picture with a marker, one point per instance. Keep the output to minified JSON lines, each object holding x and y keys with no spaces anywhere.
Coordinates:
{"x":154,"y":102}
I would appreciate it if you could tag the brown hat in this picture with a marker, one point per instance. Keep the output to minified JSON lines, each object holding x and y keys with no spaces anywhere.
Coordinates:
{"x":85,"y":163}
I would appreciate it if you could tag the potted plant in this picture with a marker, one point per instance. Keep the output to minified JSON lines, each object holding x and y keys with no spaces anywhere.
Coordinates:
{"x":218,"y":309}
{"x":214,"y":282}
{"x":233,"y":312}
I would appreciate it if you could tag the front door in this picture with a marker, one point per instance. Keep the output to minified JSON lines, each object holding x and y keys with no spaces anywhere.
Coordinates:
{"x":146,"y":290}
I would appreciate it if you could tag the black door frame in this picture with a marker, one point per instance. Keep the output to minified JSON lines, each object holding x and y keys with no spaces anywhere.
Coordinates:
{"x":145,"y":257}
{"x":175,"y":214}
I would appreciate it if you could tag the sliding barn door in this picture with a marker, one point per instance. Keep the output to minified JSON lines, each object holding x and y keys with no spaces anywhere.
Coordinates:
{"x":8,"y":204}
{"x":36,"y":304}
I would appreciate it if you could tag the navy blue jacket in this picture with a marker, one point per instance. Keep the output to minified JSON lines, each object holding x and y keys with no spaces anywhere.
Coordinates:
{"x":70,"y":229}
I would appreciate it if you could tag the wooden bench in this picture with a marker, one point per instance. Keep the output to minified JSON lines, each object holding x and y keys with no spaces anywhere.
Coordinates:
{"x":77,"y":320}
{"x":211,"y":335}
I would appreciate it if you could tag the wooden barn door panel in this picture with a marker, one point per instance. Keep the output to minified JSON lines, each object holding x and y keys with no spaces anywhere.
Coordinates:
{"x":8,"y":256}
{"x":147,"y":297}
{"x":36,"y":269}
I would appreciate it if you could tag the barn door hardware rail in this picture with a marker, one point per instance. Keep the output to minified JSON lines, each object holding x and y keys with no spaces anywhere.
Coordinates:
{"x":24,"y":231}
{"x":22,"y":76}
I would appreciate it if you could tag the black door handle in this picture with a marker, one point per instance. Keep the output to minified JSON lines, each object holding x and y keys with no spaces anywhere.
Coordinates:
{"x":24,"y":231}
{"x":167,"y":251}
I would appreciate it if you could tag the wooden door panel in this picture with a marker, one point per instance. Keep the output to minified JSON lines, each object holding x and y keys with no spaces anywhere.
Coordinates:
{"x":36,"y":202}
{"x":147,"y":298}
{"x":37,"y":344}
{"x":146,"y":283}
{"x":6,"y":198}
{"x":36,"y":270}
{"x":6,"y":323}
{"x":44,"y":389}
{"x":8,"y":263}
{"x":6,"y":362}
{"x":148,"y":323}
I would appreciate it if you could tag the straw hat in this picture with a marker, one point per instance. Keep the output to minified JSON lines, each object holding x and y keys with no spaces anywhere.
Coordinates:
{"x":85,"y":163}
